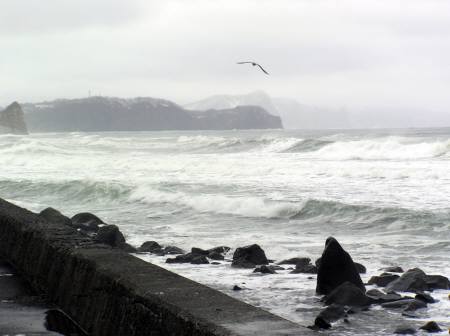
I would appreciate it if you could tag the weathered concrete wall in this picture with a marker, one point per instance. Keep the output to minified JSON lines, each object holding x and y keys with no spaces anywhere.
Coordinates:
{"x":109,"y":292}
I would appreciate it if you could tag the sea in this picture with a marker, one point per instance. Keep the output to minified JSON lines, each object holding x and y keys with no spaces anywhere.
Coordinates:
{"x":383,"y":194}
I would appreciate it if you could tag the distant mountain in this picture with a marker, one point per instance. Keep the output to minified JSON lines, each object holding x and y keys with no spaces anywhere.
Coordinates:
{"x":12,"y":120}
{"x":138,"y":114}
{"x":219,"y":102}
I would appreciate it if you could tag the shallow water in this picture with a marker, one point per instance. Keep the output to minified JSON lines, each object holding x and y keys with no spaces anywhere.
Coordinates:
{"x":384,"y":195}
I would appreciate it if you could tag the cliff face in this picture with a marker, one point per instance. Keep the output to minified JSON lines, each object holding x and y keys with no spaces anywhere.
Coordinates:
{"x":12,"y":120}
{"x":139,"y":114}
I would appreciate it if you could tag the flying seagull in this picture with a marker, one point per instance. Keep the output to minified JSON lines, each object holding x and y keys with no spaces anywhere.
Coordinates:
{"x":254,"y":63}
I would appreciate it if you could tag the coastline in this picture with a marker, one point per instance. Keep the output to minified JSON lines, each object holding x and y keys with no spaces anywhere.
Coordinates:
{"x":110,"y":292}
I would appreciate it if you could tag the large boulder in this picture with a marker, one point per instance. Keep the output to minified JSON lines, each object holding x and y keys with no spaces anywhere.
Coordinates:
{"x":413,"y":280}
{"x":348,"y":294}
{"x":54,"y":216}
{"x":437,"y":282}
{"x":188,"y":258}
{"x":86,"y":221}
{"x":383,"y":279}
{"x":379,"y":297}
{"x":249,"y":256}
{"x":336,"y":267}
{"x":110,"y":235}
{"x":150,"y":247}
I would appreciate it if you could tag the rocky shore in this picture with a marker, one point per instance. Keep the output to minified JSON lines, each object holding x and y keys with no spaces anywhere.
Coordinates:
{"x":338,"y":282}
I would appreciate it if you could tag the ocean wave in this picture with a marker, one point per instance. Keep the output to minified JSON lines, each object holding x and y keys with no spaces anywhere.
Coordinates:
{"x":389,"y":148}
{"x":383,"y":220}
{"x":240,"y":206}
{"x":72,"y":191}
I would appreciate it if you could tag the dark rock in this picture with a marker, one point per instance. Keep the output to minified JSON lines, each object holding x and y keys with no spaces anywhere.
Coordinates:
{"x":110,"y":235}
{"x":215,"y":256}
{"x":383,"y":280}
{"x":265,"y":270}
{"x":405,"y":330}
{"x":393,"y":269}
{"x":402,"y":303}
{"x":302,"y":268}
{"x":427,"y":298}
{"x":219,"y":249}
{"x":236,"y":288}
{"x":411,"y":281}
{"x":414,"y":305}
{"x":150,"y":247}
{"x":336,"y":267}
{"x":249,"y":257}
{"x":295,"y":261}
{"x":54,"y":216}
{"x":329,"y":315}
{"x":215,"y":263}
{"x":431,"y":327}
{"x":86,"y":221}
{"x":360,"y":268}
{"x":196,"y":250}
{"x":347,"y":294}
{"x":188,"y":258}
{"x":437,"y":282}
{"x":171,"y":250}
{"x":379,"y":297}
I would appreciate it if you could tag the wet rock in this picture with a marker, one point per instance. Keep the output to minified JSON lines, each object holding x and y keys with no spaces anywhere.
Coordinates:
{"x":110,"y":235}
{"x":329,"y":315}
{"x":336,"y":267}
{"x":360,"y":268}
{"x":393,"y":269}
{"x":265,"y":270}
{"x":150,"y":247}
{"x":414,"y":305}
{"x":402,"y":303}
{"x":437,"y":282}
{"x":379,"y":297}
{"x":219,"y":249}
{"x":54,"y":216}
{"x":171,"y":250}
{"x":383,"y":279}
{"x":405,"y":330}
{"x":249,"y":257}
{"x":86,"y":221}
{"x":215,"y":253}
{"x":215,"y":256}
{"x":427,"y":298}
{"x":199,"y":251}
{"x":411,"y":281}
{"x":347,"y":294}
{"x":236,"y":288}
{"x":302,"y":268}
{"x":431,"y":327}
{"x":295,"y":261}
{"x":58,"y":321}
{"x":188,"y":258}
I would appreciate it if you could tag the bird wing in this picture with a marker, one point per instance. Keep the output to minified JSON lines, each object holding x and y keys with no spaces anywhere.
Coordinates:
{"x":262,"y":69}
{"x":244,"y":62}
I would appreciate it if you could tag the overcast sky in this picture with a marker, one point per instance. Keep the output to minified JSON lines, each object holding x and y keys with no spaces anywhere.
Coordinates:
{"x":351,"y":53}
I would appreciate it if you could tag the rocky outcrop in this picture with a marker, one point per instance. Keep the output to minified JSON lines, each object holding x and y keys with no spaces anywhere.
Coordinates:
{"x":336,"y":267}
{"x":12,"y":120}
{"x":140,"y":114}
{"x":249,"y":257}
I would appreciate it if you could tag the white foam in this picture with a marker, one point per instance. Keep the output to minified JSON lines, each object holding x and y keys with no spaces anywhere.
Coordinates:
{"x":241,"y":206}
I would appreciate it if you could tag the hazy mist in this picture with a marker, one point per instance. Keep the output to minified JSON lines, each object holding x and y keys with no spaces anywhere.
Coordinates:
{"x":392,"y":56}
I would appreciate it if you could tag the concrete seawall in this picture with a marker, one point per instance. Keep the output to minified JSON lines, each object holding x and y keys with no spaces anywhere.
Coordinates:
{"x":109,"y":292}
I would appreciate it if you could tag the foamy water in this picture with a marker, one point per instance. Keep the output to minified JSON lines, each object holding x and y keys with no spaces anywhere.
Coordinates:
{"x":385,"y":196}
